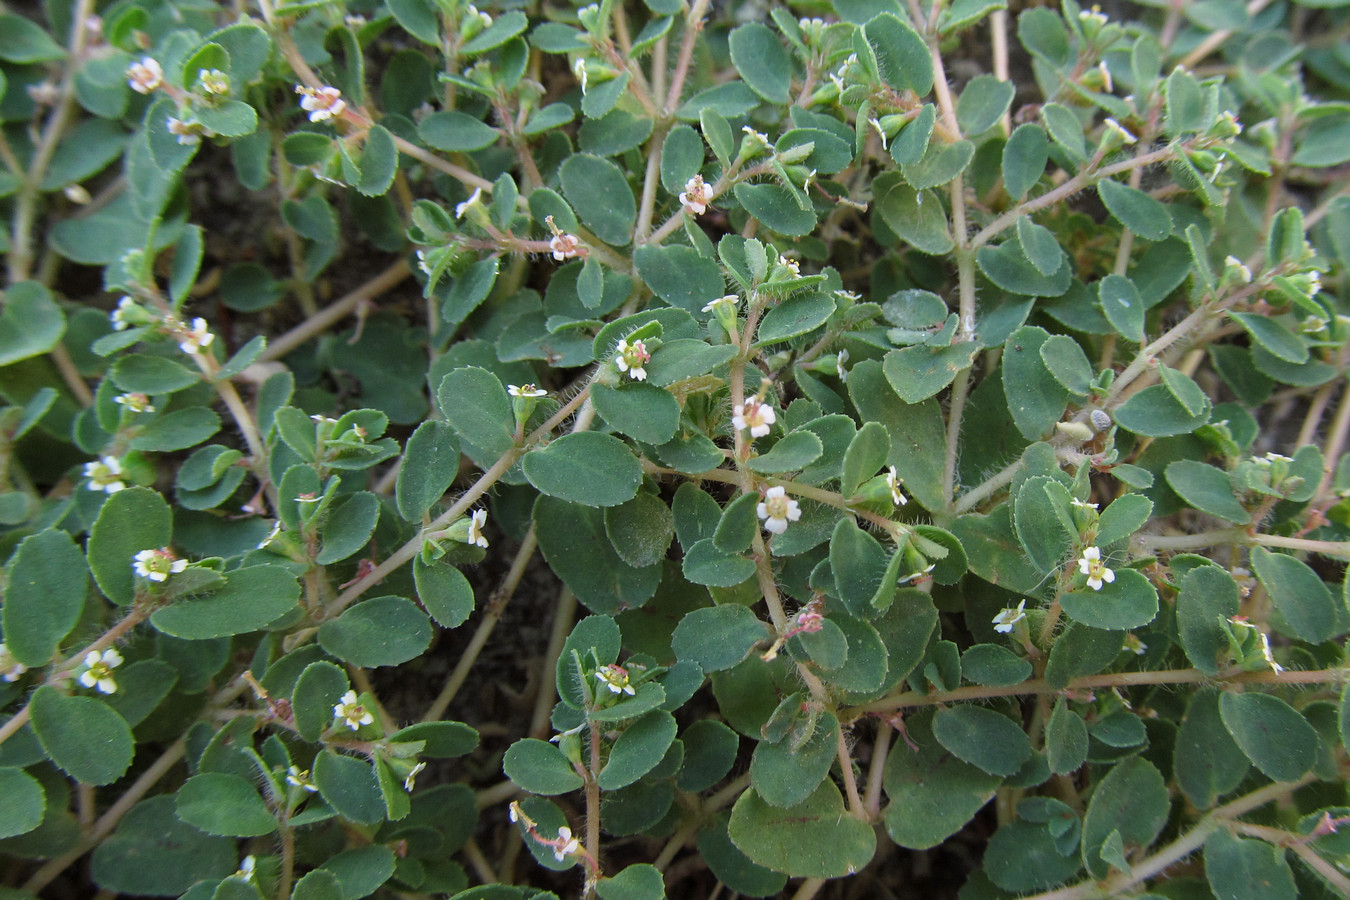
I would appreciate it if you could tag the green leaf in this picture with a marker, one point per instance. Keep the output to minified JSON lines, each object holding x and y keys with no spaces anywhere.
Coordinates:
{"x":911,"y":144}
{"x":641,"y":529}
{"x":30,"y":323}
{"x":1023,"y":857}
{"x":1066,"y":739}
{"x":681,"y":158}
{"x":1131,"y":601}
{"x":982,"y":737}
{"x":22,"y":41}
{"x":1274,"y":337}
{"x":445,"y":593}
{"x":317,"y":690}
{"x":776,"y":207}
{"x":585,"y":467}
{"x":983,"y":102}
{"x":717,"y":637}
{"x":866,"y":454}
{"x":762,"y":62}
{"x":1135,"y":209}
{"x":932,"y":792}
{"x":1040,"y":245}
{"x":921,"y":371}
{"x":642,"y":411}
{"x":705,"y":564}
{"x":738,"y":525}
{"x":253,"y":597}
{"x":418,"y":18}
{"x":1024,"y":159}
{"x":1206,"y":488}
{"x":504,"y":27}
{"x":443,"y":740}
{"x":430,"y":463}
{"x":1185,"y":103}
{"x":710,"y":749}
{"x":540,"y":768}
{"x":478,"y":408}
{"x":637,"y":882}
{"x":993,"y":665}
{"x":862,"y":569}
{"x":44,"y":596}
{"x":902,"y":56}
{"x":223,"y":804}
{"x":915,"y":216}
{"x":940,"y":163}
{"x":791,"y":453}
{"x":1208,"y":596}
{"x":1207,"y":762}
{"x":232,"y":118}
{"x":379,"y":162}
{"x":318,"y":885}
{"x":1065,"y":129}
{"x":1043,"y":33}
{"x":618,"y":131}
{"x":917,"y":432}
{"x":1325,"y":143}
{"x":814,"y":839}
{"x":456,"y":132}
{"x":1242,"y":869}
{"x":599,"y":192}
{"x":1155,"y":412}
{"x":1300,"y":596}
{"x":383,"y":631}
{"x":576,"y":546}
{"x":1273,"y":735}
{"x":1122,"y":306}
{"x":1008,"y":267}
{"x":83,"y":737}
{"x":680,"y":275}
{"x":349,"y":786}
{"x":360,"y":871}
{"x":1035,"y":397}
{"x":638,"y":750}
{"x":177,"y":430}
{"x":784,"y":774}
{"x":130,"y":521}
{"x":468,"y":290}
{"x":350,"y":522}
{"x":23,"y":804}
{"x":153,"y":853}
{"x":797,"y":315}
{"x":676,"y":361}
{"x":1126,"y":515}
{"x":1131,"y":800}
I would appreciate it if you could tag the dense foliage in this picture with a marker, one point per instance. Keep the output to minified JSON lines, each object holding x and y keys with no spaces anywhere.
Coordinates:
{"x":880,"y":427}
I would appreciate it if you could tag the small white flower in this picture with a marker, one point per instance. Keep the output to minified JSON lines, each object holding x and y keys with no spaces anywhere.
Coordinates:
{"x":461,"y":208}
{"x":146,"y":76}
{"x":322,"y":104}
{"x":474,"y":12}
{"x":1091,"y":565}
{"x":730,"y":300}
{"x":188,"y":131}
{"x":271,"y":535}
{"x":916,"y":577}
{"x":308,"y":497}
{"x":423,"y":264}
{"x":579,"y":69}
{"x":565,"y":844}
{"x":158,"y":565}
{"x":840,"y":360}
{"x":352,"y":713}
{"x":895,"y":482}
{"x":1120,"y":131}
{"x":513,"y":812}
{"x":411,"y":780}
{"x":125,"y":306}
{"x":633,"y":358}
{"x":300,"y":778}
{"x":696,"y":195}
{"x":564,"y":246}
{"x":105,"y":475}
{"x":246,"y":867}
{"x":213,"y":83}
{"x":98,"y":670}
{"x":1108,"y":84}
{"x":876,"y":124}
{"x":1244,"y":274}
{"x":1134,"y":645}
{"x":476,"y":523}
{"x":1093,"y":16}
{"x":13,"y":669}
{"x":615,"y":677}
{"x":1006,"y":619}
{"x":1082,"y":504}
{"x":756,"y":137}
{"x":197,"y":338}
{"x":755,"y":415}
{"x":525,"y":390}
{"x":777,"y":510}
{"x":134,"y":402}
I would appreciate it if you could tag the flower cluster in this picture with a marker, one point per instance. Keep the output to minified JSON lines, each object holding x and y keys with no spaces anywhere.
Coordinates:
{"x":615,"y":677}
{"x":754,"y":415}
{"x":777,"y":510}
{"x":13,"y":669}
{"x":98,"y":670}
{"x":322,"y":103}
{"x":632,"y":359}
{"x":105,"y":475}
{"x":146,"y":76}
{"x":158,"y":565}
{"x":696,"y":196}
{"x":1007,"y":618}
{"x":352,"y":713}
{"x":197,"y":338}
{"x":1091,"y":565}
